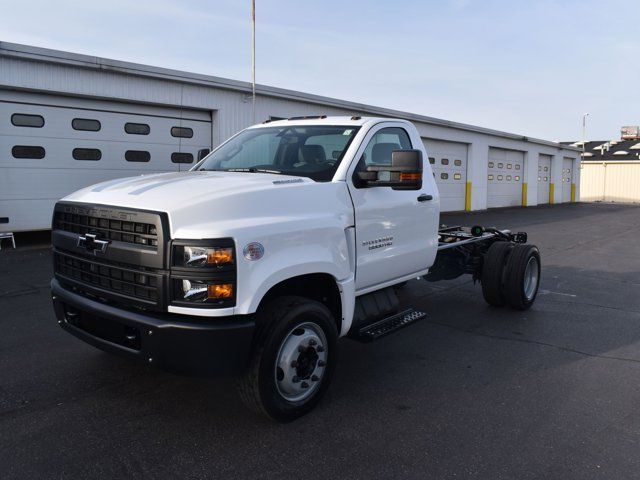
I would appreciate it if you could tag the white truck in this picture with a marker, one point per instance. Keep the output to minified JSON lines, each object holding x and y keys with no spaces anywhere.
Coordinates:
{"x":286,"y":237}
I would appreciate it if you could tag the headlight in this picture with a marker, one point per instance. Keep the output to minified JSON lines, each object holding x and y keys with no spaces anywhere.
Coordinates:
{"x":203,"y":273}
{"x":202,"y":256}
{"x":202,"y":291}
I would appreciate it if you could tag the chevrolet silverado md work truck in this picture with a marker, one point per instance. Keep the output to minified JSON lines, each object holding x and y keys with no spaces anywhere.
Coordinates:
{"x":289,"y":235}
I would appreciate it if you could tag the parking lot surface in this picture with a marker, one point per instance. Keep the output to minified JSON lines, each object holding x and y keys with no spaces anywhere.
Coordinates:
{"x":470,"y":392}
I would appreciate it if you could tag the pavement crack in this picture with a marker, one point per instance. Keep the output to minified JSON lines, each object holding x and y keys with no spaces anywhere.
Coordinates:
{"x":533,"y":342}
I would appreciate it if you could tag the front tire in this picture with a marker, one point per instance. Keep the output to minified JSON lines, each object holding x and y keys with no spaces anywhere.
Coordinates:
{"x":293,"y":359}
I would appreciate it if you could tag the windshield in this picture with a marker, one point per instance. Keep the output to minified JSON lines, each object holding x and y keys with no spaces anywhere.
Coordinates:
{"x":305,"y":151}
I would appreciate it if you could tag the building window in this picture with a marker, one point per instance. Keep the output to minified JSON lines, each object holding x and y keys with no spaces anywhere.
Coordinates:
{"x":508,"y":166}
{"x":546,"y":178}
{"x":87,"y":154}
{"x":432,"y":160}
{"x":517,"y":166}
{"x":444,"y":176}
{"x":517,"y":178}
{"x":182,"y":132}
{"x":27,"y":151}
{"x":508,"y":178}
{"x":27,"y":120}
{"x":180,"y":157}
{"x":137,"y":128}
{"x":444,"y":161}
{"x":539,"y":168}
{"x":137,"y":156}
{"x":457,"y":163}
{"x":86,"y":124}
{"x":457,"y":176}
{"x":501,"y":165}
{"x":500,"y":177}
{"x":490,"y":177}
{"x":539,"y":178}
{"x":491,"y":164}
{"x":546,"y":169}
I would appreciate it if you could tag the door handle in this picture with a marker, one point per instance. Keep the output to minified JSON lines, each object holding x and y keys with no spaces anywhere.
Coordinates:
{"x":425,"y":198}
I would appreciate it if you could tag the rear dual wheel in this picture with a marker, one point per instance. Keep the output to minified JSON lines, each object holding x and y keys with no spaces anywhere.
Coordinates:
{"x":511,"y":275}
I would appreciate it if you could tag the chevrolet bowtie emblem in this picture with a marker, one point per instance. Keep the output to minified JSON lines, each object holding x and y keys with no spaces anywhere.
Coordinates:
{"x":91,"y":244}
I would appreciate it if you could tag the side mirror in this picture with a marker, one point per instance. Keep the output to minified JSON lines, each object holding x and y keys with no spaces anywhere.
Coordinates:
{"x":404,"y":173}
{"x":203,"y":153}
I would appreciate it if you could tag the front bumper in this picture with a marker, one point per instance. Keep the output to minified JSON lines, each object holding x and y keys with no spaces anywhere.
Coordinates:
{"x":176,"y":343}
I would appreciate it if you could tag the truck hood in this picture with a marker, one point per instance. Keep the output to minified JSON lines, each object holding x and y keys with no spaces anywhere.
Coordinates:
{"x":165,"y":191}
{"x":223,"y":201}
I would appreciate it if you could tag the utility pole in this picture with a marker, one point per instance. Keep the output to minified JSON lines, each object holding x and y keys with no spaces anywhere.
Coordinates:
{"x":253,"y":59}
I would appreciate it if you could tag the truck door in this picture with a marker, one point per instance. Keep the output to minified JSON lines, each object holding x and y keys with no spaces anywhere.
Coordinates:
{"x":396,"y":230}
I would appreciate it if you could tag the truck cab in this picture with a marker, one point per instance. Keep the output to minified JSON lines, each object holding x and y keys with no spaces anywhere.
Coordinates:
{"x":286,"y":237}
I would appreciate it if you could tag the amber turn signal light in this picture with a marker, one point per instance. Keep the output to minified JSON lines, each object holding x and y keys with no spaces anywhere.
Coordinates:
{"x":218,"y":291}
{"x":219,"y":256}
{"x":408,"y":177}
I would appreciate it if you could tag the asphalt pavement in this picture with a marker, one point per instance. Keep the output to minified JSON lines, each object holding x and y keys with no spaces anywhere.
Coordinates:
{"x":471,"y":392}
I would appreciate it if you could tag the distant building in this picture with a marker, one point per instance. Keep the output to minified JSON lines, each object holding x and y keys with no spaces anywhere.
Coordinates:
{"x":611,"y":168}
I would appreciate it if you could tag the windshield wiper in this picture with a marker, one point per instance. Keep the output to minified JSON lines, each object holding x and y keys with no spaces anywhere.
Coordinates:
{"x":252,"y":170}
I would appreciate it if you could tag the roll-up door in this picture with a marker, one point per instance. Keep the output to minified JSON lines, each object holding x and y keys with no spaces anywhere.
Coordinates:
{"x":567,"y":177}
{"x":544,"y":178}
{"x":504,"y":178}
{"x":53,"y":145}
{"x":449,"y":164}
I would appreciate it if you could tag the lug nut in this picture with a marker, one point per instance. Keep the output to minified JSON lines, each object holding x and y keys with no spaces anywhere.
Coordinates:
{"x":304,"y":385}
{"x":314,"y":378}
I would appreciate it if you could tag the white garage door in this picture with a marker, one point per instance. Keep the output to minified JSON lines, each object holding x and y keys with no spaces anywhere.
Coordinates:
{"x":449,"y":164}
{"x":504,"y":178}
{"x":544,"y":178}
{"x":567,"y":176}
{"x":52,"y":146}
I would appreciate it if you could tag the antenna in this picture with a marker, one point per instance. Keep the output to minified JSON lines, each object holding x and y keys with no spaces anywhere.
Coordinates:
{"x":253,"y":59}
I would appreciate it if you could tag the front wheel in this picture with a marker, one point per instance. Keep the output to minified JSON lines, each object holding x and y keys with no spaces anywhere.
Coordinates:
{"x":293,"y":359}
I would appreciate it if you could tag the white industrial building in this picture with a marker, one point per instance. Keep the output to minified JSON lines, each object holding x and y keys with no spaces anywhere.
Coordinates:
{"x":69,"y":120}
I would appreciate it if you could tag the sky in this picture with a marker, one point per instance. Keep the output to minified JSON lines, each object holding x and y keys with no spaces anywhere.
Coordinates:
{"x":527,"y":67}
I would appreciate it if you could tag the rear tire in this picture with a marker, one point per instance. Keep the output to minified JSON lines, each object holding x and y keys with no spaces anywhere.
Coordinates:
{"x":493,"y":270}
{"x":291,"y":331}
{"x":522,"y":276}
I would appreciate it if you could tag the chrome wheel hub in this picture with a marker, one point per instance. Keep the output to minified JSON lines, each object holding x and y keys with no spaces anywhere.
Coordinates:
{"x":531,"y":278}
{"x":301,"y":362}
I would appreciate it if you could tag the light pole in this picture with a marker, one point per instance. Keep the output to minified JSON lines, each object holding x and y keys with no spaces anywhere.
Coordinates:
{"x":584,"y":132}
{"x":253,"y":59}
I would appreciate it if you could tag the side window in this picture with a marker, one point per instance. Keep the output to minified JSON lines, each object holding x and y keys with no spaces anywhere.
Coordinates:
{"x":385,"y":141}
